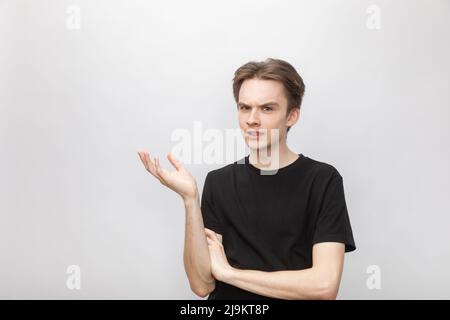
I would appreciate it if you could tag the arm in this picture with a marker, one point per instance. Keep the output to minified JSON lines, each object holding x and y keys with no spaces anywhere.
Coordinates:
{"x":197,"y":262}
{"x":321,"y":281}
{"x":196,"y":256}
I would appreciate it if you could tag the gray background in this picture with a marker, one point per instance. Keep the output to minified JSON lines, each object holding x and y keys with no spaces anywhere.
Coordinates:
{"x":76,"y":105}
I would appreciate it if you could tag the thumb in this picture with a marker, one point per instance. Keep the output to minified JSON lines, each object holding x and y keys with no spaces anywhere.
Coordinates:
{"x":177,"y":164}
{"x":211,"y":235}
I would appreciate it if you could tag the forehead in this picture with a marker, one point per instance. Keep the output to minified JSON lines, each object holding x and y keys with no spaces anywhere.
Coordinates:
{"x":259,"y":91}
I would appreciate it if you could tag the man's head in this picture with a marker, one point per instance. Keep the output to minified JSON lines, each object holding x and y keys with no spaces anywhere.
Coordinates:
{"x":268,"y":96}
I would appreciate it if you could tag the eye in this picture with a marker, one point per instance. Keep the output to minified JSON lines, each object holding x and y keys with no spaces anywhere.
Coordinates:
{"x":243,"y":107}
{"x":268,"y":108}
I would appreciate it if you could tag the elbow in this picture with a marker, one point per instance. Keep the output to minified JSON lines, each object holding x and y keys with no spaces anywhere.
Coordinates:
{"x":328,"y":291}
{"x":202,"y":291}
{"x":329,"y":294}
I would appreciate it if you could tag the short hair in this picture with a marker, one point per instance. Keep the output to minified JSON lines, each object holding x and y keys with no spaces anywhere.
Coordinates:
{"x":272,"y":69}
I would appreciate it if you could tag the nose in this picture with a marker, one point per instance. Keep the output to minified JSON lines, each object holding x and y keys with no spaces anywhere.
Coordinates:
{"x":253,"y":118}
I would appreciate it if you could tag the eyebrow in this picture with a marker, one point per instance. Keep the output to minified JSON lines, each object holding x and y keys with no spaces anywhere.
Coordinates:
{"x":270,"y":103}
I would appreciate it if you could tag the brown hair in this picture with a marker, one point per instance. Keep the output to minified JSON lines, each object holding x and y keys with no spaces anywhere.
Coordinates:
{"x":272,"y":69}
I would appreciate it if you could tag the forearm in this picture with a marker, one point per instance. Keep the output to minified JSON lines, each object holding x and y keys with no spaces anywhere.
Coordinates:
{"x":290,"y":284}
{"x":196,"y":258}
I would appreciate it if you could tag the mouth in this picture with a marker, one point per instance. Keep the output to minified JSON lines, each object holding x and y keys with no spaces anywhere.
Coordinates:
{"x":254,"y":134}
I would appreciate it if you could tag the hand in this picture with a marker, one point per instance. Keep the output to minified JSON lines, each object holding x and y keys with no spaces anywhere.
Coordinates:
{"x":220,"y":268}
{"x":180,"y":180}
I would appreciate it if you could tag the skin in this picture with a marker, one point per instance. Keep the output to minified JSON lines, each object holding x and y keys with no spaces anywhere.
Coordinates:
{"x":204,"y":256}
{"x":262,"y":105}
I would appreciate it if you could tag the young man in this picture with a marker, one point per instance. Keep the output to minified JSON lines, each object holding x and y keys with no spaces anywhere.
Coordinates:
{"x":273,"y":225}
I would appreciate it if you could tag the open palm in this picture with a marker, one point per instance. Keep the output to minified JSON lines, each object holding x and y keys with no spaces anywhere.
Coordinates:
{"x":180,"y":180}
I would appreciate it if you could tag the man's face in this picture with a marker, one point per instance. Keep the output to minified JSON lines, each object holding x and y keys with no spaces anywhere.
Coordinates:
{"x":262,"y":106}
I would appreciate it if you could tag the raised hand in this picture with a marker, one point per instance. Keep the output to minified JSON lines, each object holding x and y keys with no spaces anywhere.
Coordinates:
{"x":180,"y":180}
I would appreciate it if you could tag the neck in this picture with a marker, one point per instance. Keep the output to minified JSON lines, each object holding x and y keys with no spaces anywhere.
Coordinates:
{"x":273,"y":157}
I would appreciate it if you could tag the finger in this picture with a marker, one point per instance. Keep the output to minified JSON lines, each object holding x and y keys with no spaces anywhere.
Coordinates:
{"x":211,"y":243}
{"x":158,"y":167}
{"x":160,"y":171}
{"x":177,"y":164}
{"x":213,"y":234}
{"x":143,"y":160}
{"x":153,"y":168}
{"x":149,"y":162}
{"x":209,"y":237}
{"x":152,"y":165}
{"x":209,"y":232}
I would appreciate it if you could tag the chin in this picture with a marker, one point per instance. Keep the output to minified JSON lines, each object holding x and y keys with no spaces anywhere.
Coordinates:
{"x":253,"y":145}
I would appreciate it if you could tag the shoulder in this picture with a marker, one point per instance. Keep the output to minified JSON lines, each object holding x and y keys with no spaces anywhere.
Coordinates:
{"x":321,"y":169}
{"x":221,"y":173}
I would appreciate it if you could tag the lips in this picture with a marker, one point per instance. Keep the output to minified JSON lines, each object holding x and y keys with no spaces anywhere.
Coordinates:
{"x":254,"y":134}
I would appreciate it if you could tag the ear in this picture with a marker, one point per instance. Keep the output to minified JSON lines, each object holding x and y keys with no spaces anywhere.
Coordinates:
{"x":293,"y":117}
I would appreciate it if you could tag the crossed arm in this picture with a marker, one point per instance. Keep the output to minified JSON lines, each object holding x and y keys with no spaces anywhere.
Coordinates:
{"x":321,"y":281}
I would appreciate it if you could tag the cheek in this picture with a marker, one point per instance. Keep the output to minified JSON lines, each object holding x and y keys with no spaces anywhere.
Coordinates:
{"x":241,"y":120}
{"x":271,"y":123}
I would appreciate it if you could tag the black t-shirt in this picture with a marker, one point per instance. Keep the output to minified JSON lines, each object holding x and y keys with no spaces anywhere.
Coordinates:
{"x":270,"y":222}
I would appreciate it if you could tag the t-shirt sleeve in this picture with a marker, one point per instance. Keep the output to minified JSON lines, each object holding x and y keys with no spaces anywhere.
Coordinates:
{"x":333,"y":223}
{"x":208,"y":207}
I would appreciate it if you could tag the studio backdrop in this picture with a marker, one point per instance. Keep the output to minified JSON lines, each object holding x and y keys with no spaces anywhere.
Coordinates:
{"x":86,"y":84}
